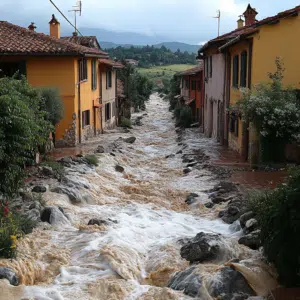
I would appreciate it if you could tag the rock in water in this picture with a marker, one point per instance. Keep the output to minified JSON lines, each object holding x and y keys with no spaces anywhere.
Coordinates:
{"x":203,"y":247}
{"x":100,"y":149}
{"x":228,"y":284}
{"x":74,"y":194}
{"x":119,"y":168}
{"x":39,"y":189}
{"x":130,"y":140}
{"x":245,"y":217}
{"x":251,"y":225}
{"x":54,"y":216}
{"x":97,"y":222}
{"x":187,"y":170}
{"x":209,"y":205}
{"x":186,"y":281}
{"x":251,"y":240}
{"x":10,"y":275}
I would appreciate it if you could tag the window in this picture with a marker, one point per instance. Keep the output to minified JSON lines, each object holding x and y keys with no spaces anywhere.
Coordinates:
{"x":235,"y":72}
{"x":243,"y":75}
{"x":107,"y":111}
{"x":83,"y":69}
{"x":210,"y":66}
{"x":207,"y":67}
{"x":193,"y":85}
{"x":85,"y":118}
{"x":108,"y":79}
{"x":199,"y":85}
{"x":187,"y":83}
{"x":94,"y":74}
{"x":10,"y":68}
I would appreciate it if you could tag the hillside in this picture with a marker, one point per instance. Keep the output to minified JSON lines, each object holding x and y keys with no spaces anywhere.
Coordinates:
{"x":174,"y":46}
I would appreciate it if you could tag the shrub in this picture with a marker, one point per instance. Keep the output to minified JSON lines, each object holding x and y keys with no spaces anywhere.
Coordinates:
{"x":278,"y":213}
{"x":58,"y":168}
{"x":22,"y":129}
{"x":52,"y":104}
{"x":91,"y":159}
{"x":183,"y":115}
{"x":126,"y":123}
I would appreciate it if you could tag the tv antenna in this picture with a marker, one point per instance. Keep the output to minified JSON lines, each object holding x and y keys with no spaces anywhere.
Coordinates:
{"x":76,"y":9}
{"x":219,"y":18}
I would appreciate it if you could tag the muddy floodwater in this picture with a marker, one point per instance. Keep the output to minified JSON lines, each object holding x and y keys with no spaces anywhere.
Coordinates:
{"x":135,"y":252}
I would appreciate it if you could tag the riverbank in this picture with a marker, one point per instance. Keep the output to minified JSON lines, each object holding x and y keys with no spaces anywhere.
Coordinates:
{"x":124,"y":228}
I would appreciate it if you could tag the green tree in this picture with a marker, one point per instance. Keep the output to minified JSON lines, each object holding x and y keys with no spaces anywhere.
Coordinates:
{"x":23,"y":128}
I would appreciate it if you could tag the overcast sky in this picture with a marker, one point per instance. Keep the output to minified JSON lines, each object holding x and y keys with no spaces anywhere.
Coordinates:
{"x":179,"y":20}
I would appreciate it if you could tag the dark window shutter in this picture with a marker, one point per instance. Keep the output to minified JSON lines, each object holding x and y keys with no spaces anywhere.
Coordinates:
{"x":22,"y":67}
{"x":243,"y":75}
{"x":235,"y":73}
{"x":210,"y":65}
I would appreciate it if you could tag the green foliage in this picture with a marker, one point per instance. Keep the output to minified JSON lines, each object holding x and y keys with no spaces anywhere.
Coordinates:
{"x":278,"y":213}
{"x":58,"y":168}
{"x":22,"y":129}
{"x":126,"y":123}
{"x":183,"y":115}
{"x":174,"y":91}
{"x":137,"y":87}
{"x":52,"y":103}
{"x":91,"y":159}
{"x":150,"y":56}
{"x":12,"y":227}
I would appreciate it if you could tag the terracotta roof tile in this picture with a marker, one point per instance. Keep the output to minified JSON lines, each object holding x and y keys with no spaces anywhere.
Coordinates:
{"x":250,"y":29}
{"x":191,"y":71}
{"x":111,"y":62}
{"x":87,"y":41}
{"x":18,"y":40}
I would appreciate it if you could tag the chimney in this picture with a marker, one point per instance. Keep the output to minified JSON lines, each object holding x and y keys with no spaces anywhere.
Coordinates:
{"x":240,"y":22}
{"x":75,"y":33}
{"x":32,"y":26}
{"x":250,"y":15}
{"x":54,"y":27}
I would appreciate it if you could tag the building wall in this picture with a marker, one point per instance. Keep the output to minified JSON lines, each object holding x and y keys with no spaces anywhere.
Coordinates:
{"x":214,"y":95}
{"x":108,"y":96}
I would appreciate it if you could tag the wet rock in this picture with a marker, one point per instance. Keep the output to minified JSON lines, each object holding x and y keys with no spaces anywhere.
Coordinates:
{"x":251,"y":225}
{"x":74,"y":194}
{"x":218,"y":200}
{"x":179,"y":152}
{"x":209,"y":205}
{"x":34,"y":214}
{"x":35,"y":205}
{"x":67,"y":161}
{"x":170,"y":156}
{"x":39,"y":189}
{"x":225,"y":186}
{"x":112,"y":154}
{"x":186,"y":281}
{"x":203,"y":247}
{"x":10,"y":275}
{"x":187,"y":170}
{"x":47,"y":171}
{"x":185,"y":160}
{"x":235,"y":226}
{"x":119,"y":168}
{"x":100,"y":149}
{"x":229,"y":284}
{"x":54,"y":216}
{"x":98,"y":222}
{"x":191,"y":198}
{"x":255,"y":298}
{"x":26,"y":196}
{"x":245,"y":217}
{"x":192,"y":164}
{"x":251,"y":240}
{"x":130,"y":140}
{"x":231,"y":214}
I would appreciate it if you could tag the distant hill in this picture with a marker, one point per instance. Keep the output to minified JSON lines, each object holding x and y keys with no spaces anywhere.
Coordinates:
{"x":174,"y":46}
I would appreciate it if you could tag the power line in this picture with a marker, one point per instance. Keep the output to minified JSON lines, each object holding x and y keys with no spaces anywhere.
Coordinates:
{"x":65,"y":17}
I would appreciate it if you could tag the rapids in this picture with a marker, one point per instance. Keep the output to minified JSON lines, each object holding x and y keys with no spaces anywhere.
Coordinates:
{"x":135,"y":254}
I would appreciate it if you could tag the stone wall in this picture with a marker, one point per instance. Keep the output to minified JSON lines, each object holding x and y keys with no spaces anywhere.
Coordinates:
{"x":70,"y":138}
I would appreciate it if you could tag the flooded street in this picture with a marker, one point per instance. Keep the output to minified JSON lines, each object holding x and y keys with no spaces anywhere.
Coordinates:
{"x":135,"y":251}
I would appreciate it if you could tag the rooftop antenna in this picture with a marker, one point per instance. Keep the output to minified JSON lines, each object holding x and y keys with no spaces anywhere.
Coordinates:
{"x":76,"y":9}
{"x":219,"y":18}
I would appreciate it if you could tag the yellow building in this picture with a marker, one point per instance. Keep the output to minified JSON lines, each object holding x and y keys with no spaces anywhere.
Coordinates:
{"x":48,"y":61}
{"x":250,"y":52}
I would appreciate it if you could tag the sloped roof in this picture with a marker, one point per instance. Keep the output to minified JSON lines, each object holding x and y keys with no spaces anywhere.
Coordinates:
{"x":16,"y":40}
{"x":112,"y":63}
{"x":250,"y":29}
{"x":192,"y":71}
{"x":87,"y":41}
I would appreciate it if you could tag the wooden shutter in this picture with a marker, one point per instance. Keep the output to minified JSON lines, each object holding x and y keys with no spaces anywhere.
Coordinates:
{"x":243,"y":75}
{"x":235,"y":73}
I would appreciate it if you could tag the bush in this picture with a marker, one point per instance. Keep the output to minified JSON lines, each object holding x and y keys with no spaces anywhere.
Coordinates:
{"x":22,"y":129}
{"x":52,"y":104}
{"x":91,"y":159}
{"x":184,"y":116}
{"x":58,"y":168}
{"x":278,"y":213}
{"x":126,"y":123}
{"x":12,"y":227}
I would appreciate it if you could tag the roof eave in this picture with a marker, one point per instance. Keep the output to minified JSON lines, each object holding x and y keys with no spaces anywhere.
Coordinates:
{"x":39,"y":54}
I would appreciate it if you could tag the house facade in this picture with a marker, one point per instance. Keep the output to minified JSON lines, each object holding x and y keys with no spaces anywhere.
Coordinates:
{"x":191,"y":91}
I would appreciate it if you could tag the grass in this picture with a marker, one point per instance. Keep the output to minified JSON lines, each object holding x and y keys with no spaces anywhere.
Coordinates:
{"x":91,"y":159}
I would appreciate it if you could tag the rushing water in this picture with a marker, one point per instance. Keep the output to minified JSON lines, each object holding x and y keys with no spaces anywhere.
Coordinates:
{"x":134,"y":255}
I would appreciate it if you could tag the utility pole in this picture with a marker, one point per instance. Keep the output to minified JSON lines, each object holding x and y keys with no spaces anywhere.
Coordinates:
{"x":219,"y":19}
{"x":76,"y":9}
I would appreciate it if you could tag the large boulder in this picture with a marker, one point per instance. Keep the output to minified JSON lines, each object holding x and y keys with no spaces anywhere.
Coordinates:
{"x":186,"y":281}
{"x":98,"y":222}
{"x":39,"y":189}
{"x":228,"y":284}
{"x":203,"y":247}
{"x":245,"y":217}
{"x":130,"y":140}
{"x":251,"y":225}
{"x":10,"y":275}
{"x":54,"y":216}
{"x":230,"y":214}
{"x":74,"y":194}
{"x":251,"y":240}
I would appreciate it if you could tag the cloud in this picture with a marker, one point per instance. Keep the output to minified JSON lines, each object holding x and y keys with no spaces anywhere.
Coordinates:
{"x":181,"y":20}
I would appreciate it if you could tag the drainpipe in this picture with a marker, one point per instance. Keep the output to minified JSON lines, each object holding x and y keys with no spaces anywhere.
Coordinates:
{"x":79,"y":111}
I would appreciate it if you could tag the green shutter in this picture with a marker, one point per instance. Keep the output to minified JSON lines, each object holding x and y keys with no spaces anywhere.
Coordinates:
{"x":243,"y":76}
{"x":22,"y":67}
